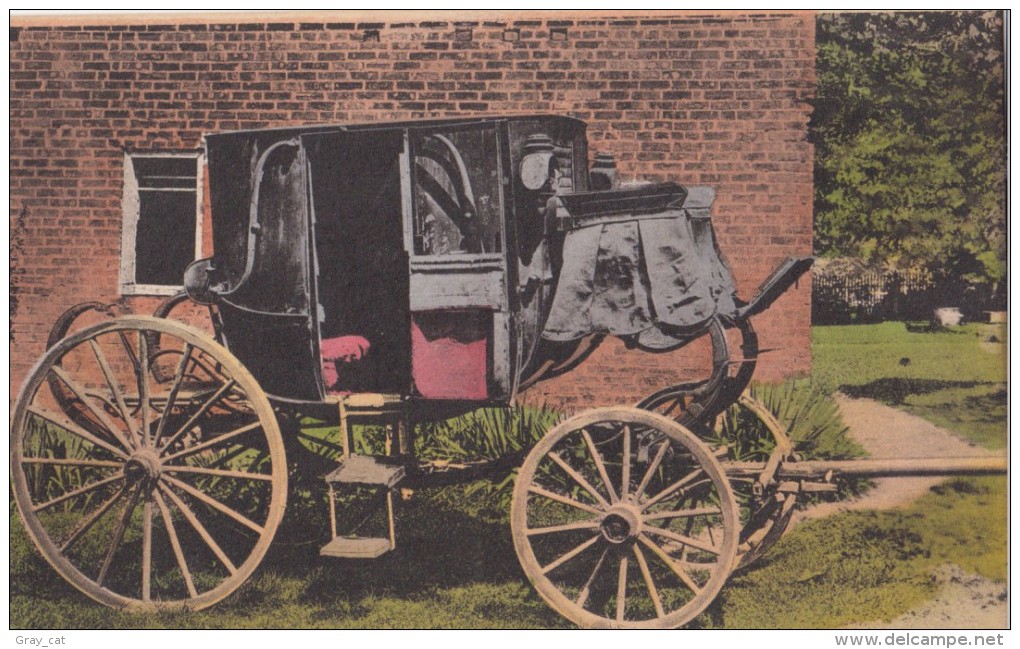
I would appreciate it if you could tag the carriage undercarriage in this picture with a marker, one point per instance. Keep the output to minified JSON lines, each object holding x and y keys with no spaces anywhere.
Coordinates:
{"x":621,"y":516}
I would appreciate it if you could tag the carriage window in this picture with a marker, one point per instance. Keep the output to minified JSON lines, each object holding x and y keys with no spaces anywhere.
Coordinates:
{"x":161,"y":231}
{"x":457,"y":193}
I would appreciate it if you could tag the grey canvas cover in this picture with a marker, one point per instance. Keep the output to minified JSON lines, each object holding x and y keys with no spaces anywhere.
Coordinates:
{"x":659,"y":277}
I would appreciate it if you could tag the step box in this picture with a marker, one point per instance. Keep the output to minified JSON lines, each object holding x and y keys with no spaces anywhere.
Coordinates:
{"x":368,"y":470}
{"x":356,"y":548}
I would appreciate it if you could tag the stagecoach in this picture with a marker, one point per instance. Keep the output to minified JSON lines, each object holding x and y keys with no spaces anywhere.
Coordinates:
{"x":381,"y":276}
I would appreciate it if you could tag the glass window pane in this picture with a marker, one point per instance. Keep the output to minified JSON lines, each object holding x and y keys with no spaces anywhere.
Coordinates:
{"x":457,"y":193}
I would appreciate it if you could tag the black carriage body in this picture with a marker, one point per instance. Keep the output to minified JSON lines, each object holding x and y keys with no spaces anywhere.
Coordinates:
{"x":384,"y":258}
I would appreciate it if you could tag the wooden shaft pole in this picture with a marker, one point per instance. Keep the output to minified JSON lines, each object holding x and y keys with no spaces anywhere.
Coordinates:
{"x":877,"y":468}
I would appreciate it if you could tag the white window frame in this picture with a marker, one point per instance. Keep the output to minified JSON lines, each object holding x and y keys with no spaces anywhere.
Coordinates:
{"x":129,"y":230}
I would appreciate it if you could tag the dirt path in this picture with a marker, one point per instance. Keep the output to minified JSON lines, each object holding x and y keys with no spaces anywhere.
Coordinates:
{"x":966,"y":600}
{"x":886,"y":432}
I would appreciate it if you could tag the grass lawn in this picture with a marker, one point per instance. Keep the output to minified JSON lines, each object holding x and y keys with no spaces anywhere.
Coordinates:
{"x":867,"y":566}
{"x":953,"y":379}
{"x":455,"y":566}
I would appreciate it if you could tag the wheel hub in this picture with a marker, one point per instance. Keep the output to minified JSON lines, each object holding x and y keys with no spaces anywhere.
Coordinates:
{"x":621,"y":524}
{"x":144,"y":464}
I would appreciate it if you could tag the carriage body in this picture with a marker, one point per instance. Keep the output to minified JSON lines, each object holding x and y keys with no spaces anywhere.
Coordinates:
{"x":391,"y":251}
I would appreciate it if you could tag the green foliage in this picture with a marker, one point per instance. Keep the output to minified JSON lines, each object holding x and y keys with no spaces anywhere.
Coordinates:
{"x":484,"y":434}
{"x":909,"y":137}
{"x":811,"y":419}
{"x":43,"y":439}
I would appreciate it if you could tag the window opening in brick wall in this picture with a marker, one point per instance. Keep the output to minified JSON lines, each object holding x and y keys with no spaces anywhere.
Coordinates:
{"x":162,"y":221}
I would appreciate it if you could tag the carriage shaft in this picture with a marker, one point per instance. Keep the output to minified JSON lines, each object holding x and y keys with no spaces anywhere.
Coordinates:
{"x":876,"y":468}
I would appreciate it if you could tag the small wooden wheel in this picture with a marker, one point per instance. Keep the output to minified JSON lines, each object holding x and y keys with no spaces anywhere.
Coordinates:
{"x":623,"y":518}
{"x":147,"y":479}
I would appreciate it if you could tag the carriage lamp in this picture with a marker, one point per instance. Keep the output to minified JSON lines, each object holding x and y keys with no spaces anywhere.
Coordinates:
{"x":603,"y":172}
{"x":539,"y":165}
{"x":198,"y":281}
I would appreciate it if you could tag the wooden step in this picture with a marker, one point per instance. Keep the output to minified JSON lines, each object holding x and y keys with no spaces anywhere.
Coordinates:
{"x":368,"y":470}
{"x":356,"y":547}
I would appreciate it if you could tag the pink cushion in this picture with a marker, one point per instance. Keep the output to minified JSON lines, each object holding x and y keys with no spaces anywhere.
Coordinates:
{"x":337,"y":351}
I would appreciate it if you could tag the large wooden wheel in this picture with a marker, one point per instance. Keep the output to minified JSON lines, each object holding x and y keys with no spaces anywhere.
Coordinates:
{"x":147,"y":478}
{"x":623,"y":518}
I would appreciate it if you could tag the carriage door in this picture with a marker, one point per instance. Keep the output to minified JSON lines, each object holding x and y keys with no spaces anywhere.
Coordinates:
{"x":454,"y":231}
{"x":362,"y":267}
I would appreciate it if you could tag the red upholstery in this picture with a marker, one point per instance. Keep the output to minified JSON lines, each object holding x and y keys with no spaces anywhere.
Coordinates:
{"x":335,"y":352}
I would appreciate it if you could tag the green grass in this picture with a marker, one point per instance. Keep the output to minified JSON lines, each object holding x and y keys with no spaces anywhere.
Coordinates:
{"x":867,"y":566}
{"x":955,"y":379}
{"x":454,"y":571}
{"x":450,"y":570}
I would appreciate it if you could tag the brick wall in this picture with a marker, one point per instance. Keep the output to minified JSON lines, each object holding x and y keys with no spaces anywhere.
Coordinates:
{"x":702,"y":99}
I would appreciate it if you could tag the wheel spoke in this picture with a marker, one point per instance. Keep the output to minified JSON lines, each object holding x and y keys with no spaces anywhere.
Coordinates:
{"x":215,"y":504}
{"x":147,"y":550}
{"x":172,"y":397}
{"x":63,"y":461}
{"x":118,"y":398}
{"x":198,"y":413}
{"x":570,"y":555}
{"x":118,"y":534}
{"x":219,"y":439}
{"x":652,"y":468}
{"x":625,"y":461}
{"x":143,"y":386}
{"x":563,"y":499}
{"x":582,"y":597}
{"x":673,"y":405}
{"x":621,"y":589}
{"x":202,"y":532}
{"x":217,"y":472}
{"x":652,"y":591}
{"x":599,"y":464}
{"x":56,"y":420}
{"x":566,"y":527}
{"x":129,"y":348}
{"x":683,"y":513}
{"x":685,"y":540}
{"x":77,"y":492}
{"x":674,"y":566}
{"x":79,"y":393}
{"x":578,"y":478}
{"x":86,"y":524}
{"x":175,"y":543}
{"x":679,"y":484}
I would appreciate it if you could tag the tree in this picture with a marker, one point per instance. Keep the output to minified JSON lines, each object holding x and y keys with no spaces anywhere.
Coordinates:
{"x":910,"y":143}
